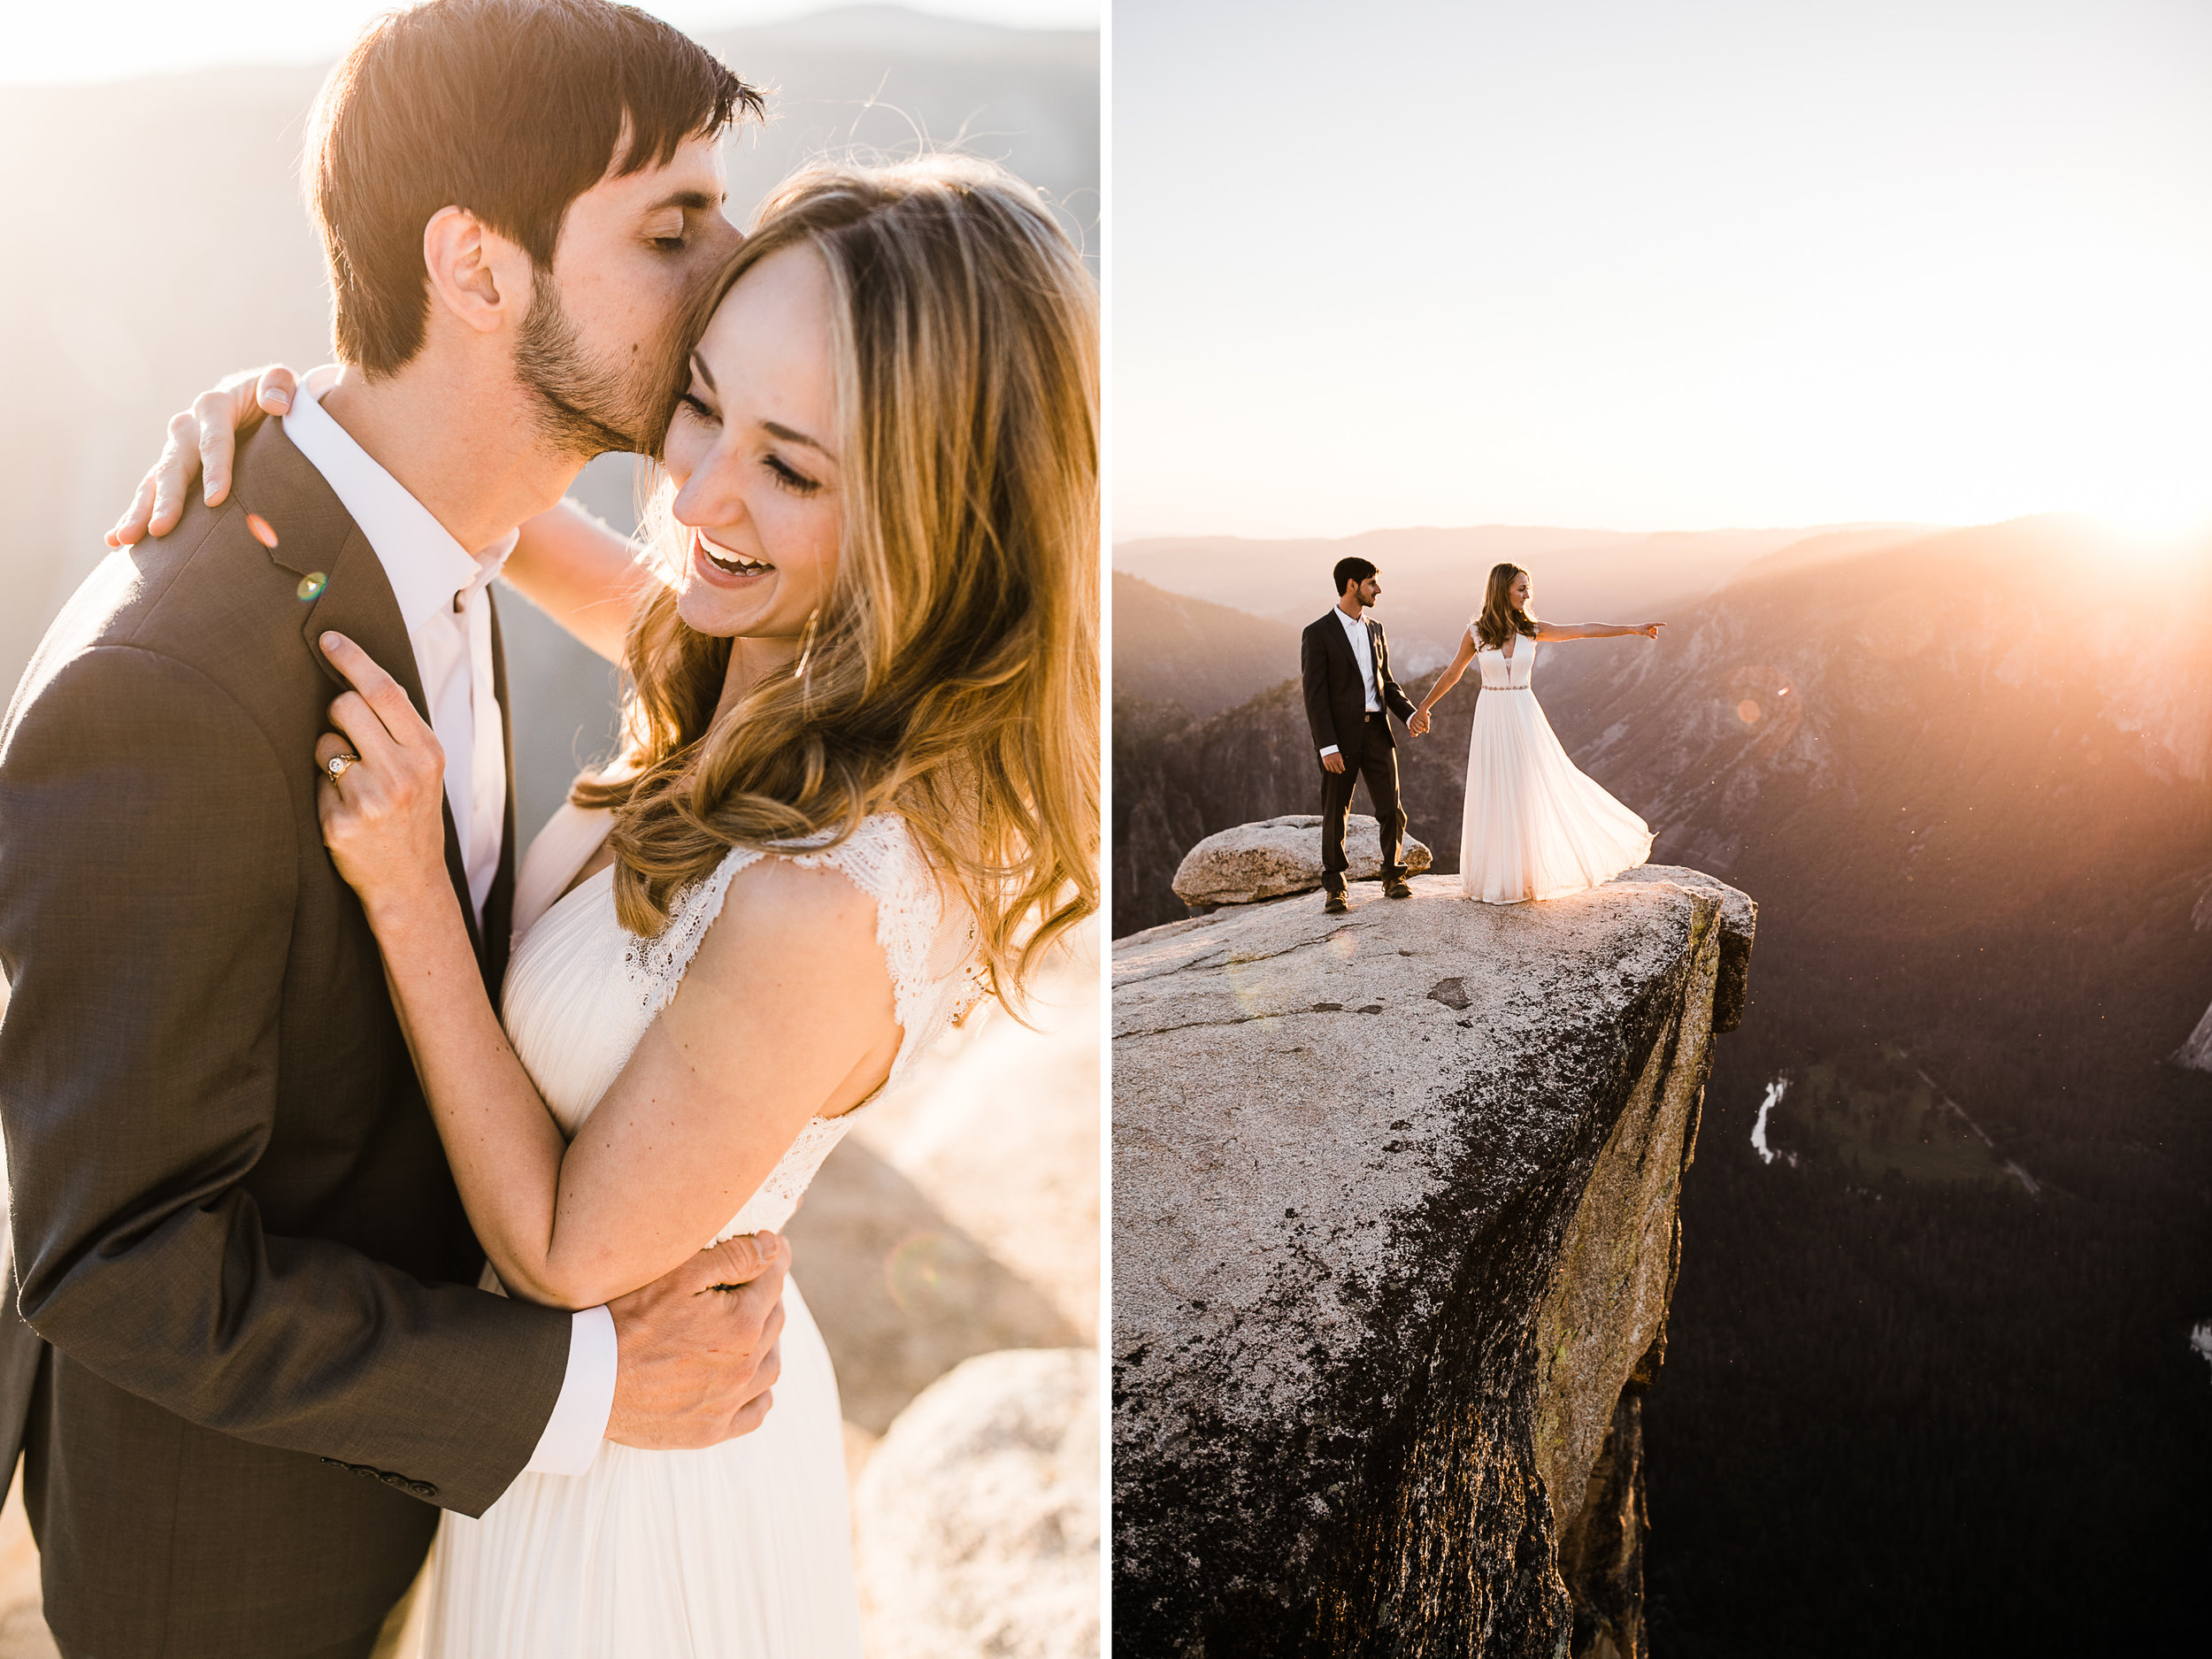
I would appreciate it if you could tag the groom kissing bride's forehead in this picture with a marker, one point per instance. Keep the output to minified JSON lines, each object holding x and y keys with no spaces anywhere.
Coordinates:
{"x":555,"y":165}
{"x":252,"y":1365}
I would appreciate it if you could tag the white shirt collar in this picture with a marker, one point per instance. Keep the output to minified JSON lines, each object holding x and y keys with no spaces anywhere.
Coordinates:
{"x":424,"y":565}
{"x":1349,"y":619}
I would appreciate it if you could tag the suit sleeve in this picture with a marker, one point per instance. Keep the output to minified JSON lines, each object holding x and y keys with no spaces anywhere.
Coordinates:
{"x":149,"y":868}
{"x":1394,"y":698}
{"x":1313,"y":669}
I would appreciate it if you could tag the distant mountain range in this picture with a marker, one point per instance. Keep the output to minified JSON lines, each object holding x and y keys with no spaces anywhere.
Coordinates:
{"x":1199,"y":657}
{"x":105,"y":330}
{"x":1968,"y":777}
{"x":1434,"y":580}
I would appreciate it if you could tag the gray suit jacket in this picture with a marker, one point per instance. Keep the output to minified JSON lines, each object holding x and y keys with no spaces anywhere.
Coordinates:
{"x":253,"y":1364}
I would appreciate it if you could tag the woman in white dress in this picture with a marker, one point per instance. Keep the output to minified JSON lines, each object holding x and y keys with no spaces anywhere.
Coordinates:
{"x":1534,"y":826}
{"x":859,"y":789}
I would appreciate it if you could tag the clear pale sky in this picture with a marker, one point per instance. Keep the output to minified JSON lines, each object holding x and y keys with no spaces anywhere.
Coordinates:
{"x":52,"y":41}
{"x":1659,"y":266}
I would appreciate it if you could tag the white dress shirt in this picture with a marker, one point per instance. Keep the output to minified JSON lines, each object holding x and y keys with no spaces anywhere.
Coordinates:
{"x":1363,"y":649}
{"x":440,"y":587}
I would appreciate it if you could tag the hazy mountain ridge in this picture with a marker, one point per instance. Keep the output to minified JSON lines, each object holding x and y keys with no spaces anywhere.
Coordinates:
{"x":1433,"y":578}
{"x":1203,"y":657}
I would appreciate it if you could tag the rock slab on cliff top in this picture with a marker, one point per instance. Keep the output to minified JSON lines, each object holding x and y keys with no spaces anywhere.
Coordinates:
{"x":1396,"y":1229}
{"x":1278,"y":856}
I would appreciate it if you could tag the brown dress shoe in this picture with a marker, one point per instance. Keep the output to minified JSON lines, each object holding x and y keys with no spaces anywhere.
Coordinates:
{"x":1397,"y":888}
{"x":1335,"y":905}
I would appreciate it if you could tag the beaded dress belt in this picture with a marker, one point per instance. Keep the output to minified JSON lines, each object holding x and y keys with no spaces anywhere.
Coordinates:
{"x":1505,"y":687}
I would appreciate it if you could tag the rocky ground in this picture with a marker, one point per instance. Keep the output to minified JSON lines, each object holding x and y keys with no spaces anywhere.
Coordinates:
{"x":1395,"y":1235}
{"x":949,"y":1249}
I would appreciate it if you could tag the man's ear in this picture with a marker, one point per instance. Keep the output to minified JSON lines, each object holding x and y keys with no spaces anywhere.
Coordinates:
{"x":476,"y":274}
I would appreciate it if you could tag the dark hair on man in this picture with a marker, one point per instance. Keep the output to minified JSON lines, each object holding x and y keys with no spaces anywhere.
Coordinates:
{"x":510,"y":108}
{"x":1352,"y":570}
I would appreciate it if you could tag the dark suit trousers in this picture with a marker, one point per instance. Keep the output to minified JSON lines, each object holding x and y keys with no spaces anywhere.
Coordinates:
{"x":1373,"y":756}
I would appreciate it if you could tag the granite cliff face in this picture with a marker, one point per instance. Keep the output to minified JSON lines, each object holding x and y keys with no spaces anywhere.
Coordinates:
{"x":1395,"y":1233}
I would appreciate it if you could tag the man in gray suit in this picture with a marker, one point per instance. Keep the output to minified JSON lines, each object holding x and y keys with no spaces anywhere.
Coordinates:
{"x":252,"y":1365}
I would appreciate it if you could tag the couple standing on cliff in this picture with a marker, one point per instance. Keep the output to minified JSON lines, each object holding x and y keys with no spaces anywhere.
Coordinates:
{"x":1534,"y":826}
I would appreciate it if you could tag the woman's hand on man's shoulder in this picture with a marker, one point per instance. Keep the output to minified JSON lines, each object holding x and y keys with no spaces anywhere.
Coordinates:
{"x":203,"y":439}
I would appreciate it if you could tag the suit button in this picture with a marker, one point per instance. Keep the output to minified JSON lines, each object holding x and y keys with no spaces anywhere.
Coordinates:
{"x":422,"y":1489}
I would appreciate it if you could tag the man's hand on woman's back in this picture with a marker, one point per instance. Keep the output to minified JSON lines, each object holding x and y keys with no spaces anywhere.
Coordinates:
{"x":697,"y":1347}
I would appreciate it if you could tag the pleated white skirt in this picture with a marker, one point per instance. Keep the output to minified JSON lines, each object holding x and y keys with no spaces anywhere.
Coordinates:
{"x":740,"y":1551}
{"x":1535,"y":827}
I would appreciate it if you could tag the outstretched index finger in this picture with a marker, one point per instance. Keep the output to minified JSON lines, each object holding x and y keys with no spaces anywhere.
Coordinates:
{"x":378,"y":689}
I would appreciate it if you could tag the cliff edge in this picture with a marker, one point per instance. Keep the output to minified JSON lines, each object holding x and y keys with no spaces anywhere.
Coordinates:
{"x":1395,"y":1231}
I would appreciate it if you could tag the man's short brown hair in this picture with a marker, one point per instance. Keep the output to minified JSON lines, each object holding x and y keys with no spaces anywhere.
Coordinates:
{"x":512,"y":109}
{"x":1352,"y":569}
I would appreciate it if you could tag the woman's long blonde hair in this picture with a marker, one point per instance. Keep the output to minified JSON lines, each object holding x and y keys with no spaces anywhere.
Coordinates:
{"x":1501,"y":618}
{"x":951,"y":676}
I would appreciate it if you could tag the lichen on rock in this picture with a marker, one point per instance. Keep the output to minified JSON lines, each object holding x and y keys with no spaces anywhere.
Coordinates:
{"x":1395,"y":1235}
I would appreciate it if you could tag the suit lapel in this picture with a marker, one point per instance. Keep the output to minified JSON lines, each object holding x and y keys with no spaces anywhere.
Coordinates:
{"x":353,"y":597}
{"x":499,"y":903}
{"x":1343,"y":647}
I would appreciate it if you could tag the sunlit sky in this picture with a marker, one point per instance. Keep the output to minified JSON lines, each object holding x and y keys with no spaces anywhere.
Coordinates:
{"x":1659,"y":266}
{"x":107,"y":40}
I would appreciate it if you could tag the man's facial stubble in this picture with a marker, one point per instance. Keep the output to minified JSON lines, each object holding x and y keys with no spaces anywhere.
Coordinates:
{"x":581,"y":407}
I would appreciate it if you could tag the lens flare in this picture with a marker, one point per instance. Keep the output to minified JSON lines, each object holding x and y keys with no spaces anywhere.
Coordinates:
{"x":1766,"y":706}
{"x":916,"y":1271}
{"x":311,"y":586}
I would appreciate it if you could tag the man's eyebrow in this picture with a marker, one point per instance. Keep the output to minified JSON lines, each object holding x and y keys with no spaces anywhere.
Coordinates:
{"x":699,"y":368}
{"x":697,"y":200}
{"x":793,"y":435}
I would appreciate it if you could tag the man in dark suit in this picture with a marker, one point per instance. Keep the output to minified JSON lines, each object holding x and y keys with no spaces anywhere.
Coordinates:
{"x":252,"y":1364}
{"x":1350,"y":697}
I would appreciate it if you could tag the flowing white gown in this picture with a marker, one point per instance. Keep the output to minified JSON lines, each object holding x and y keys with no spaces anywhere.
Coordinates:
{"x":742,"y":1551}
{"x":1535,"y":827}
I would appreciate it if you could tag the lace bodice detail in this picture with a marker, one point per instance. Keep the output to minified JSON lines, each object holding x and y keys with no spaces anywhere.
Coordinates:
{"x":583,"y":991}
{"x":879,"y":858}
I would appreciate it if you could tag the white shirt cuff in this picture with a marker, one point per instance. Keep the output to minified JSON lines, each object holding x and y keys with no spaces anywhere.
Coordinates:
{"x":579,"y":1422}
{"x":1328,"y":751}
